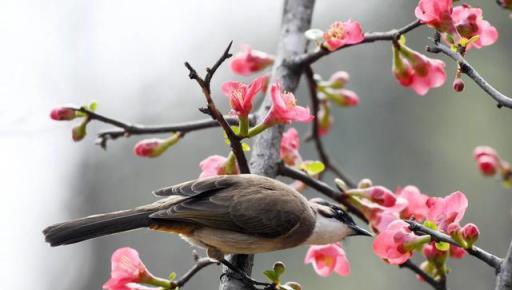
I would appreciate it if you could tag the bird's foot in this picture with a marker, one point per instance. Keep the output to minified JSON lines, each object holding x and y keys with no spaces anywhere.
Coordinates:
{"x":238,"y":274}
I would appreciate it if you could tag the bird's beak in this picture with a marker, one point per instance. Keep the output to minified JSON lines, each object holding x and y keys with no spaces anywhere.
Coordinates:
{"x":358,"y":231}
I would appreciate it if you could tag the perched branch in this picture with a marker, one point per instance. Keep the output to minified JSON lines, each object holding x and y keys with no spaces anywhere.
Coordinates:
{"x":392,"y":35}
{"x":315,"y":134}
{"x":471,"y":72}
{"x":426,"y":277}
{"x":504,"y":278}
{"x":211,"y":110}
{"x":475,"y":251}
{"x":322,"y":187}
{"x":198,"y":266}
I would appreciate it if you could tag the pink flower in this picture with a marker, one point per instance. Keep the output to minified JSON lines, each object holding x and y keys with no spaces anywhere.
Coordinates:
{"x":484,"y":150}
{"x":395,"y":244}
{"x":469,"y":22}
{"x":470,"y":233}
{"x":328,"y":258}
{"x":431,"y":253}
{"x":380,"y":195}
{"x":380,"y":216}
{"x":446,"y":210}
{"x":284,"y":109}
{"x":343,"y":33}
{"x":457,"y":252}
{"x":250,"y":61}
{"x":62,"y":114}
{"x":241,"y":95}
{"x":416,"y":203}
{"x":436,"y":14}
{"x":217,"y":165}
{"x":126,"y":268}
{"x":289,"y":147}
{"x":417,"y":71}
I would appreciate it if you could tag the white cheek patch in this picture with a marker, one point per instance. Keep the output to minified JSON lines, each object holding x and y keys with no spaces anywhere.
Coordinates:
{"x":327,"y":231}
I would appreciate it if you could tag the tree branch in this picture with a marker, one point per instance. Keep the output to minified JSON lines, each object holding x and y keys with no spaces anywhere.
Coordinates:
{"x":198,"y":266}
{"x":475,"y":251}
{"x":234,"y":139}
{"x":128,"y":129}
{"x":413,"y":267}
{"x":296,"y":19}
{"x":471,"y":72}
{"x":315,"y":134}
{"x":504,"y":277}
{"x":311,"y":57}
{"x":322,"y":187}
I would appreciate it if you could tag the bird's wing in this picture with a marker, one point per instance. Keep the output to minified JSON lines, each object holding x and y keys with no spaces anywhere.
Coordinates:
{"x":265,"y":209}
{"x":194,"y":187}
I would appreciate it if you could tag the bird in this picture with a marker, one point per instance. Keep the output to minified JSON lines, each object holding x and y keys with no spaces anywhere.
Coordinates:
{"x":225,"y":214}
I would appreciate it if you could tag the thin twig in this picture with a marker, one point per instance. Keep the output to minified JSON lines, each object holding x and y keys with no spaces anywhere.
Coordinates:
{"x":504,"y":277}
{"x":125,"y":129}
{"x":471,"y":72}
{"x":426,"y":277}
{"x":322,"y":153}
{"x":392,"y":35}
{"x":234,"y":139}
{"x":198,"y":266}
{"x":475,"y":251}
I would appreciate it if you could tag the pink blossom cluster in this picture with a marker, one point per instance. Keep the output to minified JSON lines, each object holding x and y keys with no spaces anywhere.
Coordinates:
{"x":490,"y":164}
{"x":387,"y":210}
{"x":458,"y":23}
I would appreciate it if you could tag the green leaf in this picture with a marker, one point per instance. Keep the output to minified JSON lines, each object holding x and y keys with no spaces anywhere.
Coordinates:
{"x":93,"y":106}
{"x":313,"y":167}
{"x":272,"y":276}
{"x":172,"y":276}
{"x":246,"y":147}
{"x":235,"y":129}
{"x":430,"y":224}
{"x":442,"y":246}
{"x":402,"y":40}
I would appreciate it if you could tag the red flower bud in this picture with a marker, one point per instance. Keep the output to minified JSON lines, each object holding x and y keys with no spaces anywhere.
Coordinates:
{"x":458,"y":85}
{"x":155,"y":147}
{"x":62,"y":114}
{"x":381,"y":195}
{"x":470,"y":233}
{"x":488,"y":165}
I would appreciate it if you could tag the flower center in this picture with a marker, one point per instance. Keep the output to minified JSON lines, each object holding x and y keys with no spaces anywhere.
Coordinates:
{"x":327,"y":260}
{"x":337,"y":30}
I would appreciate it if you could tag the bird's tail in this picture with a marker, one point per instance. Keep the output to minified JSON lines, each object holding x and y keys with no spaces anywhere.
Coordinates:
{"x":95,"y":226}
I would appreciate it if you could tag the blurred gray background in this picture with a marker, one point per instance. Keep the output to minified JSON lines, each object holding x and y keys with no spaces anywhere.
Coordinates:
{"x":128,"y":55}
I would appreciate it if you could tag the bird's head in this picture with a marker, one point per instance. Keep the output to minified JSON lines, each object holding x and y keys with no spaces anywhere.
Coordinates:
{"x":335,"y":213}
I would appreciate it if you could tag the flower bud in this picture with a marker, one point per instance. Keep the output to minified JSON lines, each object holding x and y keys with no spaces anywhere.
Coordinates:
{"x":341,"y":184}
{"x":155,"y":147}
{"x":342,"y":97}
{"x":457,"y":252}
{"x":458,"y":85}
{"x":325,"y":119}
{"x":488,"y":165}
{"x":484,"y":150}
{"x":365,"y":183}
{"x":339,"y":79}
{"x":279,"y":267}
{"x":431,"y":253}
{"x":294,"y":285}
{"x":470,"y":234}
{"x":381,"y":195}
{"x":78,"y":133}
{"x":62,"y":114}
{"x":250,"y":61}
